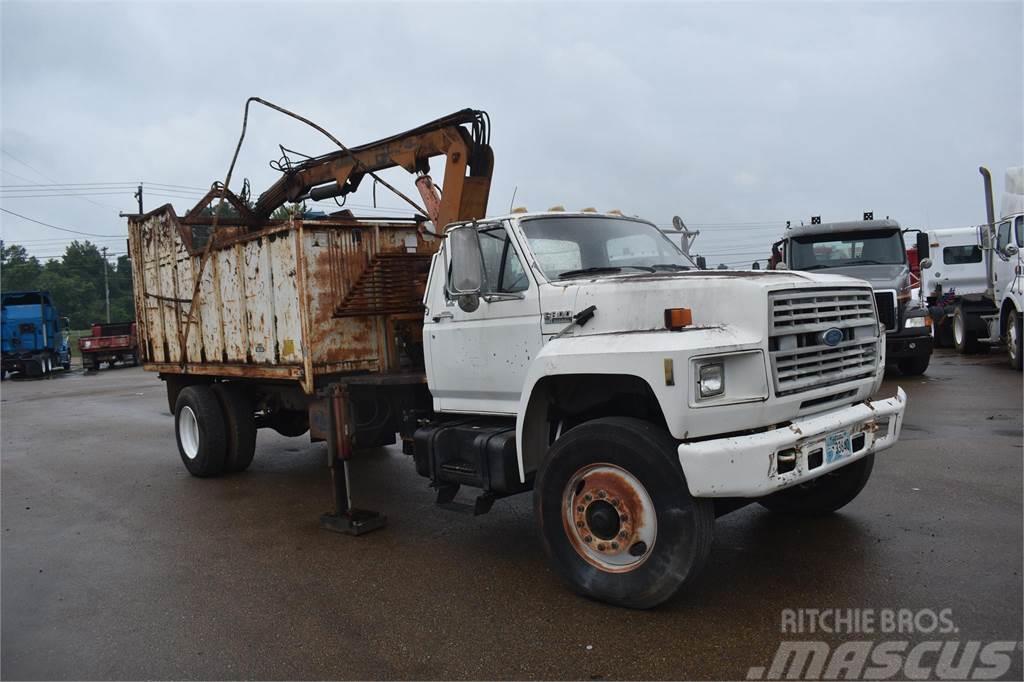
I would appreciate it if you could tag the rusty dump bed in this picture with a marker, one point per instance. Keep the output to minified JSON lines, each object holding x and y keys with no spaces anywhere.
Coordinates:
{"x":297,"y":300}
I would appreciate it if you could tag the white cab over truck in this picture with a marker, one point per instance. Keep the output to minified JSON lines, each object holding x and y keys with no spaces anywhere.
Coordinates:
{"x":578,"y":356}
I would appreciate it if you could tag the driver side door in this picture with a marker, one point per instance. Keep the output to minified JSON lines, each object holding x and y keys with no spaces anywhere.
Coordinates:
{"x":479,"y":357}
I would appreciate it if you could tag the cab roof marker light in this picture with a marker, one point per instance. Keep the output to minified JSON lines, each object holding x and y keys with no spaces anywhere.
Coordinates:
{"x":558,"y":208}
{"x":616,"y":211}
{"x":588,"y":209}
{"x":520,"y":209}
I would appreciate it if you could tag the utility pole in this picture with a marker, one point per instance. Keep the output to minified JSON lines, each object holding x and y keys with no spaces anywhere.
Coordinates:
{"x":106,"y":284}
{"x":138,"y":195}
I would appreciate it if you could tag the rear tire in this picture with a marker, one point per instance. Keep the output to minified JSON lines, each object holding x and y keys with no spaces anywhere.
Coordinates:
{"x":240,"y":427}
{"x":824,"y":494}
{"x":615,"y":514}
{"x":914,"y":366}
{"x":964,"y":340}
{"x":200,"y":432}
{"x":1014,"y":339}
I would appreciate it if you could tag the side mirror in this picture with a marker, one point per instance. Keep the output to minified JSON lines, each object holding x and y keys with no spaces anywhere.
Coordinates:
{"x":926,"y":263}
{"x":1010,"y":250}
{"x":467,"y":266}
{"x":702,"y":262}
{"x":923,"y":249}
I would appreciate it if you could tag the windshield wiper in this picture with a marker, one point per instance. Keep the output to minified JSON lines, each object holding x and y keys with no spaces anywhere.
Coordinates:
{"x":601,"y":270}
{"x":588,"y":271}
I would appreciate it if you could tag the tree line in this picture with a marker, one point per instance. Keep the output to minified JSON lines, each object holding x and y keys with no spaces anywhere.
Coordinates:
{"x":75,"y":281}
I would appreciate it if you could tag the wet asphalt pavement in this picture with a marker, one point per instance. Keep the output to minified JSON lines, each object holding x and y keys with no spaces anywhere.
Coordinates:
{"x":117,"y":564}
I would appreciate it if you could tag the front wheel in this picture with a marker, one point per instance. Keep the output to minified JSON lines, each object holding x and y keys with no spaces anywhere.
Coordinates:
{"x":615,"y":515}
{"x":1014,"y":339}
{"x":964,"y":340}
{"x":824,"y":494}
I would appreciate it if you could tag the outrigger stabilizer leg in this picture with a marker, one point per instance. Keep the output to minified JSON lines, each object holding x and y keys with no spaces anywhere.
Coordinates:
{"x":344,"y":519}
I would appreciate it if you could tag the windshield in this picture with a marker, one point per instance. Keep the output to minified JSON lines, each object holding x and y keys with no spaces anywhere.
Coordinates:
{"x":568,"y":246}
{"x":876,"y":247}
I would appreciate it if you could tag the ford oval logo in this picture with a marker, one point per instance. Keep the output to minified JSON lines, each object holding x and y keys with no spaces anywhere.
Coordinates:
{"x":831,"y":337}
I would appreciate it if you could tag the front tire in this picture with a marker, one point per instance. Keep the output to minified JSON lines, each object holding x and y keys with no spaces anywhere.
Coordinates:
{"x":199,"y":427}
{"x":825,"y":494}
{"x":964,"y":339}
{"x":1014,"y":339}
{"x":615,"y":515}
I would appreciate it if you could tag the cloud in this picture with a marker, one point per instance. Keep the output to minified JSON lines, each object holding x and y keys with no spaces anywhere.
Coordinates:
{"x":722,"y":113}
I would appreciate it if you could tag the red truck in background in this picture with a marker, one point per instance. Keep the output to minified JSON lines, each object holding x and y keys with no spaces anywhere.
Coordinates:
{"x":110,"y":342}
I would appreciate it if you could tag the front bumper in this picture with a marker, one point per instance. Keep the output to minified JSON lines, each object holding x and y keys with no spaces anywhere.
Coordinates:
{"x":747,"y":466}
{"x":899,"y":346}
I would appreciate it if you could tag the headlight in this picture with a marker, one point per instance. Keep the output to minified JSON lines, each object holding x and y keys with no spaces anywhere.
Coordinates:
{"x":911,"y":322}
{"x":711,"y":380}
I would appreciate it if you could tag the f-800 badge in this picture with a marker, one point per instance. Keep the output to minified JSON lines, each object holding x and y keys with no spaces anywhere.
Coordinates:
{"x":556,"y":316}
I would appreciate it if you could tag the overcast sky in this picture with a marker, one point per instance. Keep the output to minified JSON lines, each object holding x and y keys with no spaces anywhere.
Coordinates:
{"x":737,"y":117}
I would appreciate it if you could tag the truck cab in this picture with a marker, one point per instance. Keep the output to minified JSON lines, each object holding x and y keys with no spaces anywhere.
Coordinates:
{"x":34,"y":335}
{"x":874,"y":251}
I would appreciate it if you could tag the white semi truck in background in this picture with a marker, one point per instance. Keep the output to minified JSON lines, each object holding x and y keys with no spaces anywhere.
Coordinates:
{"x":974,"y":279}
{"x":580,"y":356}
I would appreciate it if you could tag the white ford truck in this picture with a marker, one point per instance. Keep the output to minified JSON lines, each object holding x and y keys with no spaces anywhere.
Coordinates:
{"x":643,"y":391}
{"x":580,"y":356}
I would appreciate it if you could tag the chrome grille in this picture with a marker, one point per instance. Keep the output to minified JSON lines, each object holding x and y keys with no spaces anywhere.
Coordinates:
{"x":800,"y":360}
{"x":886,"y":302}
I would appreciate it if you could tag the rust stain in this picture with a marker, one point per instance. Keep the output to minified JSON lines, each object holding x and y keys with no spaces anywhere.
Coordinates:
{"x":612,"y":488}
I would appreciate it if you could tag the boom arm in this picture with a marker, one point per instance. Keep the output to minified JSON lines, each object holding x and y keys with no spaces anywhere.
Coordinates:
{"x":464,"y":197}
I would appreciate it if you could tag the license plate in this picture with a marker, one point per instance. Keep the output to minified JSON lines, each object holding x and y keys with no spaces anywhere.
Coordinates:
{"x":838,"y":446}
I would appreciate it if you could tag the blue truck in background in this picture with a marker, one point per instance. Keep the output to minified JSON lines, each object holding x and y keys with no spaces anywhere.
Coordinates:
{"x":35,"y":339}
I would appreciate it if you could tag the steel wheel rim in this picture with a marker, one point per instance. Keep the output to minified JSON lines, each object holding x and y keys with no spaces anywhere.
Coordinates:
{"x":958,"y":330}
{"x":609,"y":518}
{"x":188,"y":432}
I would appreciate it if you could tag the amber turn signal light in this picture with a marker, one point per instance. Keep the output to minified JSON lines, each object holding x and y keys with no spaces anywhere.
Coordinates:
{"x":677,"y":318}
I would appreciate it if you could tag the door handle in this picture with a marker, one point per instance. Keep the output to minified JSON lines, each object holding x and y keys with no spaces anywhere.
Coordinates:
{"x":442,"y":316}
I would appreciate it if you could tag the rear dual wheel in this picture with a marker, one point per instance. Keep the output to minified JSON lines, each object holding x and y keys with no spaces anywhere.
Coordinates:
{"x":215,"y":430}
{"x":615,"y":515}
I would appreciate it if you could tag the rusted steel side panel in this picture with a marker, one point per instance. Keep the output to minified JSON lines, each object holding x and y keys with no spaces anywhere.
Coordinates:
{"x":349,"y":343}
{"x":294,"y":301}
{"x":184,"y":273}
{"x":259,"y":301}
{"x":166,"y":257}
{"x":137,"y":262}
{"x":212,"y":319}
{"x":287,"y":315}
{"x":232,"y":298}
{"x":152,"y":306}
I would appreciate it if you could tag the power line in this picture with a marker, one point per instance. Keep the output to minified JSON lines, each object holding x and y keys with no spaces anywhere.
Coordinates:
{"x":63,"y":194}
{"x":62,"y":229}
{"x":44,"y":175}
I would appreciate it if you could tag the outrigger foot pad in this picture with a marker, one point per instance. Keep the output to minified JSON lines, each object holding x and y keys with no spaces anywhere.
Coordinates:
{"x":353,"y":521}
